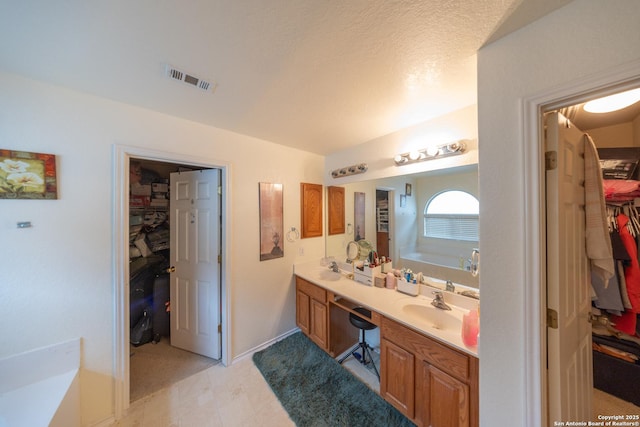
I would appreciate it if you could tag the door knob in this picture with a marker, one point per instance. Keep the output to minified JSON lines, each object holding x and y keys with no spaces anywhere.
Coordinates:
{"x":171,"y":269}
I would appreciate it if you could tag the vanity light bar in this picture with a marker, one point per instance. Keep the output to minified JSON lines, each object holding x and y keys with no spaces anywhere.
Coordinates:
{"x":350,"y":170}
{"x":430,"y":153}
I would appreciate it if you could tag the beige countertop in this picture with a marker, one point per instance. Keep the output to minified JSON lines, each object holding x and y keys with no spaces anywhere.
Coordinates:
{"x":416,"y":312}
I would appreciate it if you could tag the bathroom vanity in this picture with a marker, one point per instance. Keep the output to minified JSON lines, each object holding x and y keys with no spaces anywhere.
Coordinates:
{"x":426,"y":371}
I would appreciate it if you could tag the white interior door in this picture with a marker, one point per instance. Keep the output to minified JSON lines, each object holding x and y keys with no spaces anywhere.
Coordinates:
{"x":195,"y":247}
{"x":570,"y":371}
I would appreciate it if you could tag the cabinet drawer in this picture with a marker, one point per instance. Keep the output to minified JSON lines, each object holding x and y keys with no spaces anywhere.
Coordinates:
{"x":445,"y":358}
{"x":312,"y":290}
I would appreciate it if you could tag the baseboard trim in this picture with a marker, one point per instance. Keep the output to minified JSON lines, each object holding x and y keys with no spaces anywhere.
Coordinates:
{"x":250,"y":352}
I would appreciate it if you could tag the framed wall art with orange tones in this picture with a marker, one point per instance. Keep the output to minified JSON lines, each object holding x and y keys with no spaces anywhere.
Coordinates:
{"x":26,"y":175}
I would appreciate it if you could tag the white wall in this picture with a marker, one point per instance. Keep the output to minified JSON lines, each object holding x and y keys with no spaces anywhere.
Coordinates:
{"x":581,"y":39}
{"x":56,"y":279}
{"x":620,"y":135}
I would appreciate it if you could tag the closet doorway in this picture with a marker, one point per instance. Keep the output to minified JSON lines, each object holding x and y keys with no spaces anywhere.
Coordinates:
{"x":174,"y":283}
{"x":384,"y":222}
{"x":572,"y":363}
{"x":126,"y":159}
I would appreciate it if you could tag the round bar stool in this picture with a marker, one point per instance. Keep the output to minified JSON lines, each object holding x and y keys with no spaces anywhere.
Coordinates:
{"x":363,"y":325}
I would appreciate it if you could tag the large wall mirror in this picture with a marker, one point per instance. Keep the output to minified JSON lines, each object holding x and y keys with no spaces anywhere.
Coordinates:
{"x":427,"y":222}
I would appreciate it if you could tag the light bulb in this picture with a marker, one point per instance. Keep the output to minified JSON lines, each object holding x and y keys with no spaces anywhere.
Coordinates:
{"x":613,"y":102}
{"x":432,"y":151}
{"x":414,"y":155}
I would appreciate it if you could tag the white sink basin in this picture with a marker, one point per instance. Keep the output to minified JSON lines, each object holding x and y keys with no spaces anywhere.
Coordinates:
{"x":329,"y":275}
{"x":436,"y":318}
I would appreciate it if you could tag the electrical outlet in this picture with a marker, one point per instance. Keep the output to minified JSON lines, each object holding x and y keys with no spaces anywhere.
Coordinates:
{"x":301,"y":251}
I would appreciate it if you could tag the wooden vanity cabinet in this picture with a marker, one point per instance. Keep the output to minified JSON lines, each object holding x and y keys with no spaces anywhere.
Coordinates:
{"x":429,"y":382}
{"x":443,"y":400}
{"x":312,"y":314}
{"x":397,"y":381}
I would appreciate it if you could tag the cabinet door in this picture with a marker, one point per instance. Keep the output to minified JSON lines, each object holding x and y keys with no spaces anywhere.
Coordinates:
{"x":319,"y":320}
{"x":335,"y":200}
{"x":303,"y":318}
{"x":397,"y":380}
{"x":311,"y":207}
{"x":382,"y":243}
{"x":443,"y":401}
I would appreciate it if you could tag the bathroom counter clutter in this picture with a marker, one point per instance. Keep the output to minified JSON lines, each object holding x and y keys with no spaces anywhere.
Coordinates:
{"x":416,"y":313}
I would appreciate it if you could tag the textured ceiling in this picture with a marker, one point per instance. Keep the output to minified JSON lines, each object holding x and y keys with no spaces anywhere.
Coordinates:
{"x":317,"y":75}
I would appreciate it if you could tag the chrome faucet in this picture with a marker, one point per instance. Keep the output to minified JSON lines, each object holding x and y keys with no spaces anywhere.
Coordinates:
{"x":334,"y":267}
{"x":438,"y":301}
{"x":450,"y":287}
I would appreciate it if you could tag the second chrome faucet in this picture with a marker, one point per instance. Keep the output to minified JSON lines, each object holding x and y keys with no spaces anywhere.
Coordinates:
{"x":438,"y":301}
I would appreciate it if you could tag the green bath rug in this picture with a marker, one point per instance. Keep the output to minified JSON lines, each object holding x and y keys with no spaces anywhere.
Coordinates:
{"x":317,"y":391}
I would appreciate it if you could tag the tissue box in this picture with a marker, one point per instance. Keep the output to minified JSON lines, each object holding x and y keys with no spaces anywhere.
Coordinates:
{"x":379,"y":281}
{"x":405,"y":287}
{"x":365,"y":279}
{"x":366,"y":274}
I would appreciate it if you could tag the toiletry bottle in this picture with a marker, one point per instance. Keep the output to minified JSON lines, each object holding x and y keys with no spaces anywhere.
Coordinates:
{"x":471,"y":328}
{"x":391,"y":281}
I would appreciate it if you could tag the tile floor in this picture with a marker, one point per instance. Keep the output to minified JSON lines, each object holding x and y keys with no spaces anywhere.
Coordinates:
{"x":216,"y":397}
{"x":221,"y":396}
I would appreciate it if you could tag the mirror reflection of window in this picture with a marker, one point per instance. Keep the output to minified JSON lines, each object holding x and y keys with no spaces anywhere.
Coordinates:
{"x":452,"y":215}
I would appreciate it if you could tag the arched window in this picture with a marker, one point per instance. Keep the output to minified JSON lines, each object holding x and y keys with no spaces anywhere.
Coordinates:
{"x":452,"y":215}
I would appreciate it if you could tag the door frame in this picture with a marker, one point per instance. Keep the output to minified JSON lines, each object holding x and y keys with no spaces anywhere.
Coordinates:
{"x":122,"y":155}
{"x":392,"y":223}
{"x":533,"y":276}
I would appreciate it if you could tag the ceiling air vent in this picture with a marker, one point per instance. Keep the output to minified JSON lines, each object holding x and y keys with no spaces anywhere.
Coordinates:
{"x":178,"y":75}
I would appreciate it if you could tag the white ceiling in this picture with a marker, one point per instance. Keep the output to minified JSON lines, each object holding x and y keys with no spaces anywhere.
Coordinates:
{"x":319,"y":75}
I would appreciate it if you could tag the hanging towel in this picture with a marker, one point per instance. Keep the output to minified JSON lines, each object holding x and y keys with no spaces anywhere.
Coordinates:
{"x":597,"y":232}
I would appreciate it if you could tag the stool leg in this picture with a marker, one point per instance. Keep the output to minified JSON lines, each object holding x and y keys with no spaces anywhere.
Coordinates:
{"x":353,"y":350}
{"x":365,"y":350}
{"x":373,"y":363}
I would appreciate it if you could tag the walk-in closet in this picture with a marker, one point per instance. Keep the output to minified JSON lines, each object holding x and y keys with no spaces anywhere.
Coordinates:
{"x":154,"y":362}
{"x":616,"y":301}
